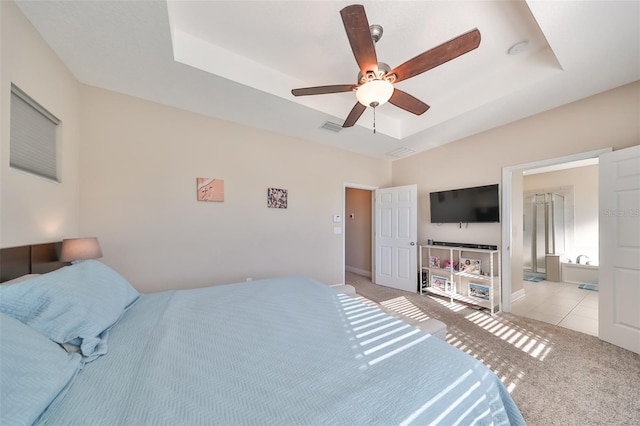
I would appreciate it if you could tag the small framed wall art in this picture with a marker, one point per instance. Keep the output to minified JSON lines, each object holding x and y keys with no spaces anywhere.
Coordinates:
{"x":210,"y":189}
{"x":434,"y":262}
{"x":277,"y":198}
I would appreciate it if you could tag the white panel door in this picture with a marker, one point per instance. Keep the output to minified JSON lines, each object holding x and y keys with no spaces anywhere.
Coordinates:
{"x":395,"y":237}
{"x":619,"y":281}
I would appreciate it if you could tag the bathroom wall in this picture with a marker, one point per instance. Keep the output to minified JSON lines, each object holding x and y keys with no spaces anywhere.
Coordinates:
{"x":582,"y":205}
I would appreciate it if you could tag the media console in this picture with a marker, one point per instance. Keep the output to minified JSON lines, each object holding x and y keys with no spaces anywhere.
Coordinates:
{"x":465,"y":245}
{"x":469,"y":273}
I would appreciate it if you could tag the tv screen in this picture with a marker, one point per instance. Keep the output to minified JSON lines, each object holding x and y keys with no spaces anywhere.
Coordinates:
{"x":466,"y":205}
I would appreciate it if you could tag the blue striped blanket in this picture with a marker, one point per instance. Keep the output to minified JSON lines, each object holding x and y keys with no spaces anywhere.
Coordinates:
{"x":286,"y":351}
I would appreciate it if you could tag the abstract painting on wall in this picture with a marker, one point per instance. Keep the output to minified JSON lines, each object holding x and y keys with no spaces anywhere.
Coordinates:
{"x":277,"y":198}
{"x":210,"y":189}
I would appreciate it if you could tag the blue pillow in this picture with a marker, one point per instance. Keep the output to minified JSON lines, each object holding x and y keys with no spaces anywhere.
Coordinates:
{"x":33,"y":371}
{"x":76,"y":304}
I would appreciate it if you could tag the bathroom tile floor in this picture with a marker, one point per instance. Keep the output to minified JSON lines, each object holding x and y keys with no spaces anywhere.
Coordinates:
{"x":562,"y":304}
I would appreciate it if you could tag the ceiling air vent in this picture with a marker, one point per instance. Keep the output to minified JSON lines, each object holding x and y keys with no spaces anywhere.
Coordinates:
{"x":400,"y":152}
{"x":332,"y":126}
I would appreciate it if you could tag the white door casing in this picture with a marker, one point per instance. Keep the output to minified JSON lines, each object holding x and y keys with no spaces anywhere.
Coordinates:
{"x":511,"y":226}
{"x":396,"y":237}
{"x":619,"y":271}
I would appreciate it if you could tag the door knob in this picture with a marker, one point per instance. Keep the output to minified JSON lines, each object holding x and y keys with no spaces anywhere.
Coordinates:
{"x":412,"y":243}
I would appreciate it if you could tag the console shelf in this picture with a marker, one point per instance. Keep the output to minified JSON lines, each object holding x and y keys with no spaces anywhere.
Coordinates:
{"x":469,"y":275}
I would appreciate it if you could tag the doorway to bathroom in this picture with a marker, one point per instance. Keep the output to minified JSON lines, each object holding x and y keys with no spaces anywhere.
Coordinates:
{"x":560,"y":236}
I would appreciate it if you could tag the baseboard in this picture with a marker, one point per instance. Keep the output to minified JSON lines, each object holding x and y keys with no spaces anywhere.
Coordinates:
{"x":358,"y":271}
{"x":517,"y":295}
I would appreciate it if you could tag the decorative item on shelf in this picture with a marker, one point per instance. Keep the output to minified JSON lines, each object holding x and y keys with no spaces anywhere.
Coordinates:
{"x":434,"y":262}
{"x":450,"y":264}
{"x":479,"y":291}
{"x":75,"y":250}
{"x":470,"y":266}
{"x":441,"y":283}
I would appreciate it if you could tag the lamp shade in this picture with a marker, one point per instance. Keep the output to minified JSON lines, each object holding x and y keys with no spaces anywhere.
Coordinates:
{"x":375,"y":92}
{"x":80,"y":249}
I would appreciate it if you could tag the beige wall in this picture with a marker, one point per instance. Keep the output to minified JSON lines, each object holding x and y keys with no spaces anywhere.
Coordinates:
{"x":609,"y":119}
{"x":139,"y":165}
{"x":582,"y":227}
{"x":129,"y":169}
{"x":128,"y":177}
{"x":34,"y":209}
{"x":358,"y":230}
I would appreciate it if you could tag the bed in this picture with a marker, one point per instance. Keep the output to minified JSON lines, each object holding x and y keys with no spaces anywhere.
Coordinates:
{"x":80,"y":346}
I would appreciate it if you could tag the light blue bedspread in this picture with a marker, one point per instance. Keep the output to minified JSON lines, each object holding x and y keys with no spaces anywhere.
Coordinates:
{"x":281,"y":351}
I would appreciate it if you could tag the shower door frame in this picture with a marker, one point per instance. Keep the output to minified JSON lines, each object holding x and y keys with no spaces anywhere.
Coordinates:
{"x":542,"y":207}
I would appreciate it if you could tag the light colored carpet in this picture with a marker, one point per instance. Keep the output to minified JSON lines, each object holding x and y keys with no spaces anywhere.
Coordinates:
{"x":555,"y":375}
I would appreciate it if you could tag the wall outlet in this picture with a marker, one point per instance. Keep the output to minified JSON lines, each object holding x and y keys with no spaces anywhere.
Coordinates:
{"x":249,"y":279}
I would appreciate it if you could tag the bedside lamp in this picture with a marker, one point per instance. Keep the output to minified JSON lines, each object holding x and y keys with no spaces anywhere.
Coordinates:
{"x":77,"y":249}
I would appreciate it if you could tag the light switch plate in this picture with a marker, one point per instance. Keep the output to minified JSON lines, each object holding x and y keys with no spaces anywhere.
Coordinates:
{"x":337,"y":218}
{"x":337,"y":230}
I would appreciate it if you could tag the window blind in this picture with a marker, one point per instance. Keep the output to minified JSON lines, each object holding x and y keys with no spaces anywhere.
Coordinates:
{"x":33,"y":136}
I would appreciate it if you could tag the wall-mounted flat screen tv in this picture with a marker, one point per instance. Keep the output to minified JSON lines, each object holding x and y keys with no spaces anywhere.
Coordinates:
{"x":466,"y":205}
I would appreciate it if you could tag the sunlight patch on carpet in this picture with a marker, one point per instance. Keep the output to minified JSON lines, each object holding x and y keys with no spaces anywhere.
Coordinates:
{"x":533,"y":345}
{"x":403,"y":306}
{"x":455,"y":307}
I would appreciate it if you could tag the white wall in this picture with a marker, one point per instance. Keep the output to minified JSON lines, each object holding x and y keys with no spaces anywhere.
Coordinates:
{"x":583,"y":237}
{"x":139,"y":165}
{"x":34,"y":209}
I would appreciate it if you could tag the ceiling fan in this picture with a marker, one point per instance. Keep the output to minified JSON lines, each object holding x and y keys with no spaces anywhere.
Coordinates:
{"x":375,"y":84}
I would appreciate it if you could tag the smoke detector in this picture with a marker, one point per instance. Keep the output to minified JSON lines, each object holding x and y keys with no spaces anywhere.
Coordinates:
{"x":518,"y":48}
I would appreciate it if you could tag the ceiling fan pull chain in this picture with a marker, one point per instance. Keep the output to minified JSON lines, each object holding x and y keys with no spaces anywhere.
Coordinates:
{"x":374,"y":105}
{"x":374,"y":120}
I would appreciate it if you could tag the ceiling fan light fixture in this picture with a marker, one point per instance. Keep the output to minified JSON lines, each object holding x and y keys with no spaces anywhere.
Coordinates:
{"x":374,"y":85}
{"x":374,"y":93}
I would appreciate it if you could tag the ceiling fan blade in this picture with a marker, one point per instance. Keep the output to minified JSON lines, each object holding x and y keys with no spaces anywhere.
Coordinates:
{"x":357,"y":27}
{"x":438,"y":55}
{"x":322,"y":90}
{"x":407,"y":102}
{"x":355,"y":113}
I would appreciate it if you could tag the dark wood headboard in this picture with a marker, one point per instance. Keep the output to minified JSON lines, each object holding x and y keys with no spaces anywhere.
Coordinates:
{"x":31,"y":259}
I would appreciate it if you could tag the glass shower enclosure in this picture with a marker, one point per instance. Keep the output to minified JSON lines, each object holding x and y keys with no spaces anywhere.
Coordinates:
{"x":544,"y":230}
